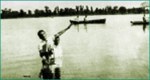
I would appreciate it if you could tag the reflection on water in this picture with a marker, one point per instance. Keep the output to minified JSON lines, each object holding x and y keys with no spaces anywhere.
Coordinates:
{"x":115,"y":49}
{"x":78,"y":27}
{"x":85,"y":27}
{"x":144,"y":27}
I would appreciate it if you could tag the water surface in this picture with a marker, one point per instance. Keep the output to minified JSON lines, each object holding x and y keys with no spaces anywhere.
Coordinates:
{"x":116,"y":49}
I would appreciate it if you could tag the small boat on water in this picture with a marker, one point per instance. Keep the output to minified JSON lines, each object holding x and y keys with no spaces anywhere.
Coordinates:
{"x":96,"y":21}
{"x":139,"y":23}
{"x":143,"y":22}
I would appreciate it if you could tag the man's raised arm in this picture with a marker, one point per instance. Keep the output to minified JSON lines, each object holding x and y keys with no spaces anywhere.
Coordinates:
{"x":62,"y":31}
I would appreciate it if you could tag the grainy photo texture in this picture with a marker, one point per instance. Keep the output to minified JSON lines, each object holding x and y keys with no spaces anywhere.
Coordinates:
{"x":74,"y":39}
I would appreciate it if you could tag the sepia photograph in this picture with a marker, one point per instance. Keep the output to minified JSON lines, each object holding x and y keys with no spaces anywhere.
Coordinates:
{"x":101,"y":40}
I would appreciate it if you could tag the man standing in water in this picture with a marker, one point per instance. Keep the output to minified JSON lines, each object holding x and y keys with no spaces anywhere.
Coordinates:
{"x":58,"y":58}
{"x":47,"y":49}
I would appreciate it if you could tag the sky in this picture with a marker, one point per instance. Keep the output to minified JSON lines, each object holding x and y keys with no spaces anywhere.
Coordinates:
{"x":32,"y":5}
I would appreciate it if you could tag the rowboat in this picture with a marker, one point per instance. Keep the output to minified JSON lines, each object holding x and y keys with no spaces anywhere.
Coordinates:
{"x":96,"y":21}
{"x":139,"y":23}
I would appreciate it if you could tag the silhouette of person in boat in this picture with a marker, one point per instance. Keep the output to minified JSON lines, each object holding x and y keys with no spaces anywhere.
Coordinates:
{"x":77,"y":18}
{"x":144,"y":25}
{"x":85,"y":17}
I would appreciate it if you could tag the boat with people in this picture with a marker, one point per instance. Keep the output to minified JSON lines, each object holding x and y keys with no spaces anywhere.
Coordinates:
{"x":139,"y":23}
{"x":144,"y":5}
{"x":95,"y":21}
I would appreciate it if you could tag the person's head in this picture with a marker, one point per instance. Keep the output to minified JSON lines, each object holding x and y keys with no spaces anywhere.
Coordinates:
{"x":85,"y":16}
{"x":42,"y":34}
{"x":56,"y":40}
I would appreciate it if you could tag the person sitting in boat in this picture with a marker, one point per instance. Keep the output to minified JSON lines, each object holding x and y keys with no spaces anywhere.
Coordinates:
{"x":85,"y":17}
{"x":144,"y":20}
{"x":77,"y":18}
{"x":144,"y":26}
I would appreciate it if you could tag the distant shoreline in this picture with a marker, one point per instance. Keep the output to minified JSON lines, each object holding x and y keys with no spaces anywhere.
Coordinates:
{"x":65,"y":16}
{"x":78,"y":11}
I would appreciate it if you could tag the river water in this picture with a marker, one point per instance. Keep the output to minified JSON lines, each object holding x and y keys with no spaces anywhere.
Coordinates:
{"x":115,"y":49}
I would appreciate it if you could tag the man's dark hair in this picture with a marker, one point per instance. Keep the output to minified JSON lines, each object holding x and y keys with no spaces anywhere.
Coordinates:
{"x":39,"y":33}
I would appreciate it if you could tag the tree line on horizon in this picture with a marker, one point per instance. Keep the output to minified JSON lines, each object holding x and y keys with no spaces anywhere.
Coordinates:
{"x":79,"y":10}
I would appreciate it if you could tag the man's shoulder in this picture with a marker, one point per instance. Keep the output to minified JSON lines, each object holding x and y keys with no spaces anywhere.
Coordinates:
{"x":49,"y":37}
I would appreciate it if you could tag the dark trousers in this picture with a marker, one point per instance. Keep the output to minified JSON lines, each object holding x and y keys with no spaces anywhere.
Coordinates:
{"x":48,"y":76}
{"x":46,"y":73}
{"x":57,"y":73}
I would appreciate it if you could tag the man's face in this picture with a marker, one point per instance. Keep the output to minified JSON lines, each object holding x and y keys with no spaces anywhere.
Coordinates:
{"x":43,"y":35}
